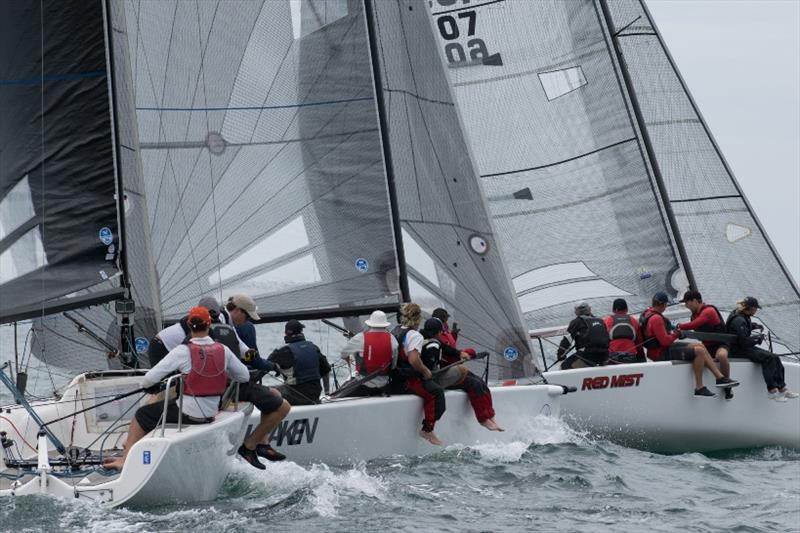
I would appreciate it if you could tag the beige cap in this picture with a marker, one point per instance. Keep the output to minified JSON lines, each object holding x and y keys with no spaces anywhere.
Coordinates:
{"x":246,"y":304}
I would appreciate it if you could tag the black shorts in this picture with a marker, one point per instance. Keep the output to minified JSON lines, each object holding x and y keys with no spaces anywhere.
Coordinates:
{"x":680,"y":352}
{"x":260,"y":396}
{"x":149,"y":416}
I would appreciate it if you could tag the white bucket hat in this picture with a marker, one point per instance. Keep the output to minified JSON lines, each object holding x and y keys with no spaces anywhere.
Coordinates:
{"x":377,"y":320}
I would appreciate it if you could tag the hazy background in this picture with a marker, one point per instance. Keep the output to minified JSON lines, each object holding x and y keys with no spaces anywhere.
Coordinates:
{"x":741,"y":62}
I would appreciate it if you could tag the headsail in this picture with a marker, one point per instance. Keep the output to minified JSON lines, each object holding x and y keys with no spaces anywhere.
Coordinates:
{"x":731,"y":255}
{"x":571,"y":190}
{"x":58,"y":212}
{"x":450,"y":248}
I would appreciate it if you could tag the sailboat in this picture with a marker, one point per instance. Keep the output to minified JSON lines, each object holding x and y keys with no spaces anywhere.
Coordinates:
{"x":604,"y":182}
{"x":306,"y":153}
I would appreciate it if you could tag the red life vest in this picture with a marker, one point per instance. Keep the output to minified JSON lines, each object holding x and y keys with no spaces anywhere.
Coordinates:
{"x":377,"y":353}
{"x":207,"y":376}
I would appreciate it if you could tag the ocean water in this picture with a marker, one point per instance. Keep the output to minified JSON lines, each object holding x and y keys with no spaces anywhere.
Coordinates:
{"x":553,"y":479}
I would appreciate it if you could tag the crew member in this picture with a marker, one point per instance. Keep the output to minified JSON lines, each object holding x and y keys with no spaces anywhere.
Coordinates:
{"x":661,"y":346}
{"x":375,"y":354}
{"x":303,"y":365}
{"x":707,"y":318}
{"x":412,"y":376}
{"x":241,"y":310}
{"x":740,"y":324}
{"x":590,"y":338}
{"x":206,"y":364}
{"x":625,"y":339}
{"x":437,"y":351}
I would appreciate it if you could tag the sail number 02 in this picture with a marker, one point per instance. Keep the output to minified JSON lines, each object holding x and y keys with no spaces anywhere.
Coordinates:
{"x":449,"y":30}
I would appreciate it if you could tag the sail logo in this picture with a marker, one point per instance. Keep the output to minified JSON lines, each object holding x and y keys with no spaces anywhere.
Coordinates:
{"x":292,"y":433}
{"x":604,"y":382}
{"x":141,"y":345}
{"x":362,"y":265}
{"x":106,"y":236}
{"x":510,"y":354}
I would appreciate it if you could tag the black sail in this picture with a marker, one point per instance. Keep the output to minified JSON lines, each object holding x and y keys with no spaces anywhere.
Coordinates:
{"x":58,"y":213}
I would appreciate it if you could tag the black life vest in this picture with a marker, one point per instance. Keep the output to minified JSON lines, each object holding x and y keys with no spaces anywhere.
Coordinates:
{"x":305,"y":368}
{"x":404,"y":368}
{"x":431,"y":353}
{"x":651,"y":342}
{"x":621,"y":328}
{"x":594,"y":338}
{"x":207,"y":376}
{"x":730,"y":328}
{"x":226,"y":335}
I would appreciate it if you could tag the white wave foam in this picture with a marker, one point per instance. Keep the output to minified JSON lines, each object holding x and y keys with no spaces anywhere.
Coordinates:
{"x":327,"y":486}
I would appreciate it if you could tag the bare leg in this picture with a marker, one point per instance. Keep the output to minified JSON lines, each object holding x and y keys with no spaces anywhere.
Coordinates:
{"x":135,"y":434}
{"x":266,"y":425}
{"x":697,"y":366}
{"x":724,"y":363}
{"x":702,"y":354}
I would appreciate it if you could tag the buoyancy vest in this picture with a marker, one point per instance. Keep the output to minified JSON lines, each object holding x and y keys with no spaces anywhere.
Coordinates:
{"x":594,"y":338}
{"x":719,"y":327}
{"x":207,"y":376}
{"x":651,"y":341}
{"x":306,"y":362}
{"x":404,"y":368}
{"x":377,"y":353}
{"x":621,"y":328}
{"x":225,"y":334}
{"x":431,"y":353}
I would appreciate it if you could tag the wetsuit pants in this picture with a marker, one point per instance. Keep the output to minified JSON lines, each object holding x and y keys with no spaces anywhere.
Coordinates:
{"x":771,"y":365}
{"x":432,"y":395}
{"x":479,"y":396}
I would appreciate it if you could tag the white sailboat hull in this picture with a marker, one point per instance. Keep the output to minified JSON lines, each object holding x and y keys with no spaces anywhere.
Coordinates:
{"x":359,"y":429}
{"x":189,"y":465}
{"x":652,"y":406}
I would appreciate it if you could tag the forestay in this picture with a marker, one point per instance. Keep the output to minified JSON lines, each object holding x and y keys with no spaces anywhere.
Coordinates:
{"x":450,"y":248}
{"x":569,"y":186}
{"x":730,"y":254}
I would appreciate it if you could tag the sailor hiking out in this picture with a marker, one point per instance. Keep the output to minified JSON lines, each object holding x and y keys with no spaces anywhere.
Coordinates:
{"x":740,"y":323}
{"x":206,"y":364}
{"x":375,"y":353}
{"x":304,"y":367}
{"x":661,"y":346}
{"x":589,"y":338}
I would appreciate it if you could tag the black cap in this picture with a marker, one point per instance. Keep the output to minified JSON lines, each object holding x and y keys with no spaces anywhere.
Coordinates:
{"x":440,"y":313}
{"x":433,"y":325}
{"x":294,"y":327}
{"x":691,"y":295}
{"x":660,"y":297}
{"x":751,"y":303}
{"x":619,"y":305}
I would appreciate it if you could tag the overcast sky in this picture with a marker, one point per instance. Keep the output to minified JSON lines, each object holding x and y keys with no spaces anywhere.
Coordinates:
{"x":741,"y":62}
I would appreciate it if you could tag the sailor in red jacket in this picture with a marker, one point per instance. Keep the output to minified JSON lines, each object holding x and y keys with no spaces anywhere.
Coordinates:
{"x":708,"y":319}
{"x":661,"y":346}
{"x":625,"y":345}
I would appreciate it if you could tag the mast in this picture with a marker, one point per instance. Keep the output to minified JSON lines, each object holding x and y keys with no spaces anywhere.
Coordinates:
{"x":662,"y":189}
{"x":125,"y":306}
{"x":369,"y":14}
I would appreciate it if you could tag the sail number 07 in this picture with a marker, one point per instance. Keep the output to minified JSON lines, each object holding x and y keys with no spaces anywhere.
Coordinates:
{"x":449,"y":29}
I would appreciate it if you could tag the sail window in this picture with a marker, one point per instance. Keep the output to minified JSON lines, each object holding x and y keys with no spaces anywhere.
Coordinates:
{"x":16,"y":208}
{"x":735,"y":232}
{"x":418,"y":259}
{"x":560,"y":82}
{"x":422,"y":296}
{"x":570,"y":292}
{"x":286,"y":240}
{"x":297,"y":273}
{"x":309,"y":16}
{"x":551,"y":274}
{"x":22,"y":257}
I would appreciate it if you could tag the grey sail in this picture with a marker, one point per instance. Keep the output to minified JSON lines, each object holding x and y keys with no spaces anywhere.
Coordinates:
{"x":571,"y":190}
{"x":450,"y":248}
{"x":58,"y":212}
{"x":730,"y":254}
{"x":256,"y":124}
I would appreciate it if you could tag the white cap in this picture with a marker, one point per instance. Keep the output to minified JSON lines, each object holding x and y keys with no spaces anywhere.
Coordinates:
{"x":377,"y":320}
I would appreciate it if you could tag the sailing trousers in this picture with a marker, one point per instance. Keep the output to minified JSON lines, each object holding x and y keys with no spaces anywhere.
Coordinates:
{"x":479,"y":396}
{"x":771,"y":365}
{"x":432,"y":395}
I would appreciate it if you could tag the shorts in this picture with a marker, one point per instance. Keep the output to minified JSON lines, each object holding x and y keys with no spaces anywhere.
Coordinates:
{"x":264,"y":398}
{"x":680,"y":352}
{"x":149,"y":416}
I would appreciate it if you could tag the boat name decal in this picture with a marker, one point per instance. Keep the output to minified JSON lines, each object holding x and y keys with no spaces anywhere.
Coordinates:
{"x":292,"y":432}
{"x":604,"y":382}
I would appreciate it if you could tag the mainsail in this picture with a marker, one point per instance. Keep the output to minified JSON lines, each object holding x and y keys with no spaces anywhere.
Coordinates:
{"x":58,"y":209}
{"x":571,"y":189}
{"x":730,"y":253}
